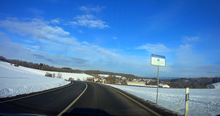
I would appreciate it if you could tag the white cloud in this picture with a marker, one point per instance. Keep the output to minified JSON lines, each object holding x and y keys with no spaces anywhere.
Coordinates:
{"x":185,"y":47}
{"x":34,"y":11}
{"x":106,"y":52}
{"x":55,"y":21}
{"x":34,"y":27}
{"x":83,"y":8}
{"x":28,"y":41}
{"x":91,"y":9}
{"x":186,"y":60}
{"x":89,"y":21}
{"x":154,"y":48}
{"x":86,"y":43}
{"x":187,"y":39}
{"x":114,"y":37}
{"x":86,"y":17}
{"x":80,"y":31}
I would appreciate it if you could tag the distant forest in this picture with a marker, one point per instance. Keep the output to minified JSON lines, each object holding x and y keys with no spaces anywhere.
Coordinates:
{"x":41,"y":66}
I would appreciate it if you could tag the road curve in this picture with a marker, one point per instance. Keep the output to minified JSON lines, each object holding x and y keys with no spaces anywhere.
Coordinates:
{"x":96,"y":97}
{"x":99,"y":96}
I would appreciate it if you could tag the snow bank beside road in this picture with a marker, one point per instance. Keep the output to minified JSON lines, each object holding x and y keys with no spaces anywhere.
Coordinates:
{"x":202,"y":102}
{"x":16,"y":81}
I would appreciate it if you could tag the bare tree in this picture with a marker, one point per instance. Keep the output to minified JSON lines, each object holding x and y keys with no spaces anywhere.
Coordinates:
{"x":112,"y":79}
{"x":48,"y":74}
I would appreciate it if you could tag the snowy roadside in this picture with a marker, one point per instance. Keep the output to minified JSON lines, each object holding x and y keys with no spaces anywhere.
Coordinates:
{"x":17,"y":81}
{"x":203,"y":102}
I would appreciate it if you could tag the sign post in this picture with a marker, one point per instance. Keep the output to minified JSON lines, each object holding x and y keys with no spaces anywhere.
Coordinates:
{"x":157,"y":84}
{"x":158,"y":60}
{"x":187,"y":102}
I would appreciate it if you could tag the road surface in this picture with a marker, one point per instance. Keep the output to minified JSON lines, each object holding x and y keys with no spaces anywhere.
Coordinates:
{"x":94,"y":97}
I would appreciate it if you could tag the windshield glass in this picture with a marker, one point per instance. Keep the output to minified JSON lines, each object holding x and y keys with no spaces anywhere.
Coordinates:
{"x":117,"y":57}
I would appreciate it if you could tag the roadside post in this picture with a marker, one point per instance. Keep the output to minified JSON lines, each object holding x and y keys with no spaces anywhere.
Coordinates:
{"x":187,"y":102}
{"x":158,"y":60}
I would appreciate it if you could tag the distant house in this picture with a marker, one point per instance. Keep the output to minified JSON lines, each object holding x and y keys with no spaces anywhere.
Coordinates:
{"x":96,"y":79}
{"x":164,"y":86}
{"x":124,"y":78}
{"x":16,"y":65}
{"x":134,"y":80}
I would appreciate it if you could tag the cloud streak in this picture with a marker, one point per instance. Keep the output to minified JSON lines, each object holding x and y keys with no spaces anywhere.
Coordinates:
{"x":154,"y":48}
{"x":35,"y":11}
{"x":89,"y":21}
{"x":91,"y":9}
{"x":187,"y":39}
{"x":55,"y":21}
{"x":34,"y":27}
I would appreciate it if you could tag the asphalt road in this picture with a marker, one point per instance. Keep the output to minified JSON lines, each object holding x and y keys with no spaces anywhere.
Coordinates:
{"x":95,"y":98}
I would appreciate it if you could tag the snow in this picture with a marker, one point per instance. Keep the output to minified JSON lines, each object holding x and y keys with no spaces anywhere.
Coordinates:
{"x":217,"y":85}
{"x":65,"y":75}
{"x":21,"y":80}
{"x":202,"y":102}
{"x":106,"y":75}
{"x":142,"y":85}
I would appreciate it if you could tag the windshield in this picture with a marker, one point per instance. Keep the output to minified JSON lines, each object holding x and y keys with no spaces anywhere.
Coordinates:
{"x":118,"y":57}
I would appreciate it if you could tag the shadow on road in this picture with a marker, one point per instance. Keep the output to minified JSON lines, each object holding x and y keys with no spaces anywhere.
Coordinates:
{"x":87,"y":112}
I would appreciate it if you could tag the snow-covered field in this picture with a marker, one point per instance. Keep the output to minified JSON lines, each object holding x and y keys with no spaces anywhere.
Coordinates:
{"x":202,"y":102}
{"x":21,"y":80}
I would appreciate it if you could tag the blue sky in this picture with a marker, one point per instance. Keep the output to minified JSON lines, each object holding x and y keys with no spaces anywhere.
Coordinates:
{"x":114,"y":35}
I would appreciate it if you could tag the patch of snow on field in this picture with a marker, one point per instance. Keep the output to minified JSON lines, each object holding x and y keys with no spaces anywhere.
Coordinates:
{"x":106,"y":75}
{"x":217,"y":85}
{"x":17,"y":80}
{"x":202,"y":102}
{"x":136,"y":84}
{"x":142,"y":85}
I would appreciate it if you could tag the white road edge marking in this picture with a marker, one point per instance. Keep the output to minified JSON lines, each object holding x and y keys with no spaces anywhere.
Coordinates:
{"x":137,"y":102}
{"x":72,"y":102}
{"x":44,"y":91}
